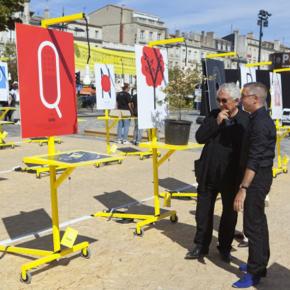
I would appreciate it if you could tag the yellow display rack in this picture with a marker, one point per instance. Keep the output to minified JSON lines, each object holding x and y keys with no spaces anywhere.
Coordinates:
{"x":42,"y":140}
{"x":110,"y":122}
{"x":51,"y":161}
{"x":156,"y":216}
{"x":282,"y":162}
{"x":3,"y":135}
{"x":68,"y":161}
{"x":4,"y":111}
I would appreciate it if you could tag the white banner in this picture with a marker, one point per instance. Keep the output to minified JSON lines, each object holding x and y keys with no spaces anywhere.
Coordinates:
{"x":248,"y":75}
{"x":276,"y":96}
{"x":152,"y":78}
{"x":4,"y":86}
{"x":105,"y":86}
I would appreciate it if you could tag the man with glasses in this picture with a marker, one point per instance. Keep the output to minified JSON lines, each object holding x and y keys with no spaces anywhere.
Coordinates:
{"x":258,"y":156}
{"x":218,"y":171}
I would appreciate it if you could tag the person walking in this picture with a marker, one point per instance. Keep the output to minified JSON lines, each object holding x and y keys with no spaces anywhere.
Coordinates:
{"x":124,"y":102}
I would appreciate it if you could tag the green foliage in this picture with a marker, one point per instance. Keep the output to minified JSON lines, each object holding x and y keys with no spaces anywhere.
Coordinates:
{"x":7,"y":8}
{"x":182,"y":83}
{"x":10,"y":57}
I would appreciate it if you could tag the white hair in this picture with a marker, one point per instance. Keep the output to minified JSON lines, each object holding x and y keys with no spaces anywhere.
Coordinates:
{"x":231,"y":89}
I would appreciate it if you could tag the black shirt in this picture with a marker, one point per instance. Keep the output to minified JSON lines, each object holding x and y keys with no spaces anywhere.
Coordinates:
{"x":135,"y":108}
{"x":261,"y":140}
{"x":222,"y":151}
{"x":123,"y":100}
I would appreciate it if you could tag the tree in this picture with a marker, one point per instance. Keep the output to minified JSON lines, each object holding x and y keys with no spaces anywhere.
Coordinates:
{"x":7,"y":8}
{"x":182,"y":83}
{"x":10,"y":57}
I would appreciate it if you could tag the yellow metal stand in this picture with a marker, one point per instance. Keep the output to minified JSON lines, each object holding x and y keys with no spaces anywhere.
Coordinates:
{"x":282,"y":162}
{"x":3,"y":135}
{"x":156,"y":216}
{"x":4,"y":111}
{"x":54,"y":162}
{"x":110,"y":122}
{"x":42,"y":140}
{"x":49,"y":256}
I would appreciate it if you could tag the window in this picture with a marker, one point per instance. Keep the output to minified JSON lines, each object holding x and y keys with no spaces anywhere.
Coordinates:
{"x":158,"y":36}
{"x":150,"y":35}
{"x":97,"y":34}
{"x":142,"y":34}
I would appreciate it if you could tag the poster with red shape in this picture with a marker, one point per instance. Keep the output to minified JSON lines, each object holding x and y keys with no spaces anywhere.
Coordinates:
{"x":152,"y":78}
{"x":46,"y":74}
{"x":105,"y":86}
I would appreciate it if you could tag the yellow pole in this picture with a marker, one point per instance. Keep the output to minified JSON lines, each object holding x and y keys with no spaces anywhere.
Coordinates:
{"x":51,"y":149}
{"x":223,"y":54}
{"x":254,"y":64}
{"x":54,"y":210}
{"x":155,"y":173}
{"x":107,"y":132}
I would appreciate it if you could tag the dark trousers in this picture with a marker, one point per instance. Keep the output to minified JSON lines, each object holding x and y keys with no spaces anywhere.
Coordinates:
{"x":204,"y":218}
{"x":255,"y":222}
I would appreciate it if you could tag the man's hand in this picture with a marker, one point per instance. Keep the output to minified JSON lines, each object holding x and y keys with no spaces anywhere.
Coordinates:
{"x":239,"y":200}
{"x":223,"y":115}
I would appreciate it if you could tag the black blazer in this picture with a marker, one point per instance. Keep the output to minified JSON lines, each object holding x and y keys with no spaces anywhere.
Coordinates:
{"x":220,"y":157}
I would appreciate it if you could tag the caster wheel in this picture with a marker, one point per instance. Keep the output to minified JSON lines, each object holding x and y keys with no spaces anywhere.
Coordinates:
{"x":174,"y":218}
{"x":120,"y":161}
{"x":97,"y":165}
{"x":38,"y":176}
{"x":40,"y":144}
{"x":139,"y":233}
{"x":13,"y":146}
{"x":141,"y":157}
{"x":274,"y":176}
{"x":86,"y":253}
{"x":28,"y":278}
{"x":285,"y":171}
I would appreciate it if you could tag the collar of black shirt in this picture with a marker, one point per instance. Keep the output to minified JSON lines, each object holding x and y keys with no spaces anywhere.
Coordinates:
{"x":259,"y":112}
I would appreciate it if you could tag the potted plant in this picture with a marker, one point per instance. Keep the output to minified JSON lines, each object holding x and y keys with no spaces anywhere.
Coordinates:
{"x":179,"y":91}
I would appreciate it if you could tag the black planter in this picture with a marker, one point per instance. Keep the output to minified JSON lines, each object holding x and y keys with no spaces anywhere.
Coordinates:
{"x":177,"y":132}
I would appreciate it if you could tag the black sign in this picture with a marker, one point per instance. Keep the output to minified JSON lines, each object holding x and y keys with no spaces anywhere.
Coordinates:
{"x":280,"y":60}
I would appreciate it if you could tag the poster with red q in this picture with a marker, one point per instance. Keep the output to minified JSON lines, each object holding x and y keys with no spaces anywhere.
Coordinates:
{"x":46,"y":81}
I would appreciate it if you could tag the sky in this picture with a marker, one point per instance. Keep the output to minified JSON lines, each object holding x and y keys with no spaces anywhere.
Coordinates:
{"x":219,"y":16}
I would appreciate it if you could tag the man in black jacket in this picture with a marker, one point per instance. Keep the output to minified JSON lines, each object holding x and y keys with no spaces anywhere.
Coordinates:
{"x":257,"y":158}
{"x":218,"y":171}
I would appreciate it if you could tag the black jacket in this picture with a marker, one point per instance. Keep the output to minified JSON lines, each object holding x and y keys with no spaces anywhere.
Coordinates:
{"x":259,"y":149}
{"x":219,"y":163}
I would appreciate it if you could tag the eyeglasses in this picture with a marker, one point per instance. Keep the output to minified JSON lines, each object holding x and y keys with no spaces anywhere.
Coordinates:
{"x":222,"y":100}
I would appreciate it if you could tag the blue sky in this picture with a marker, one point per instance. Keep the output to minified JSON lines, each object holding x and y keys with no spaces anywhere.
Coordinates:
{"x":220,"y":16}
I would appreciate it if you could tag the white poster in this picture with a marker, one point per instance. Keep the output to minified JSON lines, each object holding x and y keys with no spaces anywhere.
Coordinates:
{"x":105,"y":86}
{"x":4,"y":86}
{"x":276,"y":96}
{"x":152,"y":78}
{"x":248,"y":75}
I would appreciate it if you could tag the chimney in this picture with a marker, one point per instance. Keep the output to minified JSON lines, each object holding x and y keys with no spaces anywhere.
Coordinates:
{"x":46,"y":13}
{"x":26,"y":12}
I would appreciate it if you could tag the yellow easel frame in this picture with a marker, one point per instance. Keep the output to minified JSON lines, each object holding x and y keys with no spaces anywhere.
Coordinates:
{"x":109,"y":127}
{"x":157,"y":216}
{"x":282,"y":162}
{"x":49,"y":256}
{"x":3,"y":135}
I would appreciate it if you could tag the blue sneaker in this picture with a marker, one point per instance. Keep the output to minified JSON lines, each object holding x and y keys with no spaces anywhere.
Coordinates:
{"x":243,"y":267}
{"x":248,"y":280}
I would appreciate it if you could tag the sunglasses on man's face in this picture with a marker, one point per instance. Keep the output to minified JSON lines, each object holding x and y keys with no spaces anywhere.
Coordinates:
{"x":222,"y":100}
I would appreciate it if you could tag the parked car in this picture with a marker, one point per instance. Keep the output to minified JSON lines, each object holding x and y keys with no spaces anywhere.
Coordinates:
{"x":286,"y":117}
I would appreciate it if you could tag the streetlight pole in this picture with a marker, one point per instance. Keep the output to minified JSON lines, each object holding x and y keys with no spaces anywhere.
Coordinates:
{"x":262,"y":22}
